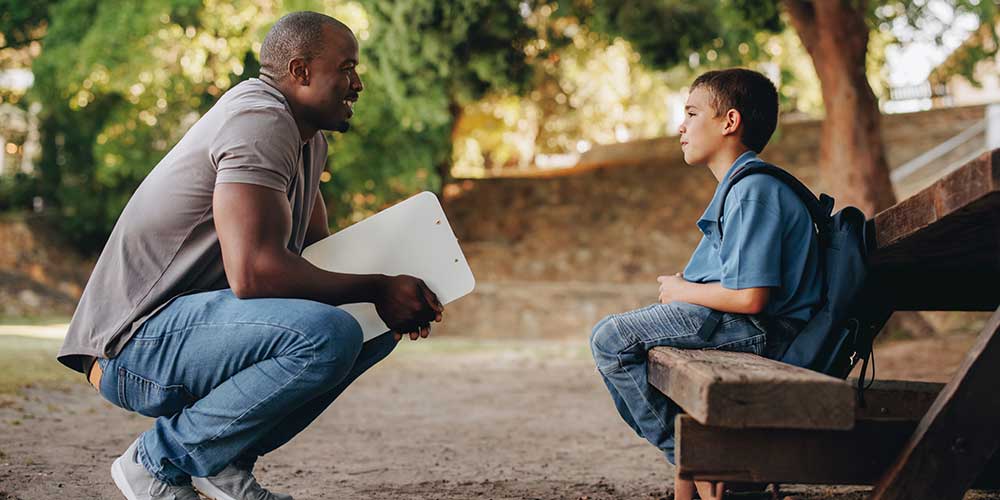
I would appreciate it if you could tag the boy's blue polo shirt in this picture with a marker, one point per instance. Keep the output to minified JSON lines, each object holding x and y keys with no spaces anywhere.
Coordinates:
{"x":768,"y":241}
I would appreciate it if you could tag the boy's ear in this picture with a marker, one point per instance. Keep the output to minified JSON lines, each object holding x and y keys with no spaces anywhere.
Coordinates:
{"x":731,"y":122}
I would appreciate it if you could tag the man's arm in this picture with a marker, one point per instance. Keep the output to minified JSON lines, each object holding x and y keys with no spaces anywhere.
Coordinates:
{"x":713,"y":295}
{"x":319,"y":225}
{"x":254,"y":224}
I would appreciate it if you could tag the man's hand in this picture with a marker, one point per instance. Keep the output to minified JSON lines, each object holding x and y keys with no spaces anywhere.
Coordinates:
{"x":407,"y":306}
{"x":670,"y":287}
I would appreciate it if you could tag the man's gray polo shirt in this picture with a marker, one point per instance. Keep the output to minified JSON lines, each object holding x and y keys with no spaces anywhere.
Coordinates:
{"x":164,"y":244}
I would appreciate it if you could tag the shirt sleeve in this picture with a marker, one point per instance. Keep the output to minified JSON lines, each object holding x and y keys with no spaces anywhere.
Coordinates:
{"x":751,"y":245}
{"x":256,"y":146}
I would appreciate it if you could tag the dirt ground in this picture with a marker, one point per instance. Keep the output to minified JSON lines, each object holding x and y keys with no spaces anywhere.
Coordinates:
{"x":434,"y":421}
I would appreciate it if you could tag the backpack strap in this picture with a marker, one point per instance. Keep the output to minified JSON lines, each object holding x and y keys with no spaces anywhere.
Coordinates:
{"x":820,"y":209}
{"x":709,"y":325}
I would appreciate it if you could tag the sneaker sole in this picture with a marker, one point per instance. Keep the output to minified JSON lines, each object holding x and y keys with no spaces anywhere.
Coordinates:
{"x":118,"y":475}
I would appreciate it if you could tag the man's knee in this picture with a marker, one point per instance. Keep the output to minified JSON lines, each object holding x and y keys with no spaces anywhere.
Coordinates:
{"x":333,"y":336}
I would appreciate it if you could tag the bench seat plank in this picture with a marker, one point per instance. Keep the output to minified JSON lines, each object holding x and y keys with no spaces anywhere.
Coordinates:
{"x":730,"y":389}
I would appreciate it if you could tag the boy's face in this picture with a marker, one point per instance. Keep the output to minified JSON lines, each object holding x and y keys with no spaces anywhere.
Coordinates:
{"x":701,"y":132}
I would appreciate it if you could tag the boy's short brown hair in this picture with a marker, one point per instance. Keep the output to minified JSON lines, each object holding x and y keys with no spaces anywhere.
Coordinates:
{"x":748,"y":92}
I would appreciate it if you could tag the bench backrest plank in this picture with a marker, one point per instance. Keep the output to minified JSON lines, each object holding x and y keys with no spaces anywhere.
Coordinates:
{"x":954,"y":224}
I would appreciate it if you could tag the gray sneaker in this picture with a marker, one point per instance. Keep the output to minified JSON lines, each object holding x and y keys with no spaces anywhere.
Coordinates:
{"x":234,"y":483}
{"x":136,"y":483}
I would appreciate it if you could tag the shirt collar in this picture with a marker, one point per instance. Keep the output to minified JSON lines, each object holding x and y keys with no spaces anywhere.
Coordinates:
{"x":288,"y":107}
{"x":713,"y":206}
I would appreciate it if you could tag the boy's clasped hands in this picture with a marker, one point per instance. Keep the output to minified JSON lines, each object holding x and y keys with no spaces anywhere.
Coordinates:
{"x":670,"y":286}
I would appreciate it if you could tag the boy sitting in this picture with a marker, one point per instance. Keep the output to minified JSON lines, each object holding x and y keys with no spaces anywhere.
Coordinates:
{"x":763,"y":274}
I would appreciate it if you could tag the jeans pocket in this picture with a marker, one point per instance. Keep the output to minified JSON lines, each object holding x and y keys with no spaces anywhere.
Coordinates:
{"x":754,"y":344}
{"x":146,"y":397}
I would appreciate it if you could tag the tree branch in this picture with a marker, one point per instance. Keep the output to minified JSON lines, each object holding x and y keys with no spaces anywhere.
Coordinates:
{"x":803,"y":17}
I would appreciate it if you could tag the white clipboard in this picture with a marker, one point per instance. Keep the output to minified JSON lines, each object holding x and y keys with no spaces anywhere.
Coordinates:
{"x":411,"y":237}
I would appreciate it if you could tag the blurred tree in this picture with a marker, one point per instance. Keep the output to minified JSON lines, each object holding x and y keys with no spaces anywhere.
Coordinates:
{"x":121,"y":81}
{"x":22,"y":22}
{"x":424,"y":62}
{"x":836,"y":35}
{"x":594,"y":89}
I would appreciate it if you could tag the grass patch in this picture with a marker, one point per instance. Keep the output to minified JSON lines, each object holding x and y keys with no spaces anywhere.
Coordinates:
{"x":34,"y":320}
{"x":30,"y":361}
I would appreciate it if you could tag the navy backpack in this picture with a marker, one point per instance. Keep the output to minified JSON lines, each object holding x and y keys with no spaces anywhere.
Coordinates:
{"x":841,"y":331}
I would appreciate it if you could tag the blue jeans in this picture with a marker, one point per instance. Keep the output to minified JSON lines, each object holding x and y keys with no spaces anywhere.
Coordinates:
{"x":229,"y":380}
{"x":620,"y":343}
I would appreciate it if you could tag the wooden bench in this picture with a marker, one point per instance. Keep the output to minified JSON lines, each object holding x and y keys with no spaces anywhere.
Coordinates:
{"x":752,"y":419}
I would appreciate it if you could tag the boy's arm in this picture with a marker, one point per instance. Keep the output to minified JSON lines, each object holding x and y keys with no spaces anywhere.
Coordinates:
{"x":713,"y":295}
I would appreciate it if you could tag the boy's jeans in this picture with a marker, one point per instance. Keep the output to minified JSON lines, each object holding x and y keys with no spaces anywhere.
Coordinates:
{"x":620,"y":343}
{"x":230,"y":380}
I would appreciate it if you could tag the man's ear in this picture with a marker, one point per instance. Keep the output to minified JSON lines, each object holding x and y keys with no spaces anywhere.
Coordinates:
{"x":298,"y":70}
{"x":731,"y":122}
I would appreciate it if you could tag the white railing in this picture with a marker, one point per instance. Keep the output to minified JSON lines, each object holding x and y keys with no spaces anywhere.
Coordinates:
{"x":989,"y":127}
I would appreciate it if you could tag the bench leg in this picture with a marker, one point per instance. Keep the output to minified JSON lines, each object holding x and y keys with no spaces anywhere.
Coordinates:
{"x":958,"y":435}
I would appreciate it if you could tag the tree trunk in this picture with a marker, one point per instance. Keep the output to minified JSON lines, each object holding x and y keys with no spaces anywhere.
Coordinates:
{"x":852,"y":161}
{"x":444,"y":168}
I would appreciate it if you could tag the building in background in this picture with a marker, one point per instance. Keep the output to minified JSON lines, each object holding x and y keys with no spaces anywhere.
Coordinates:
{"x":957,"y":90}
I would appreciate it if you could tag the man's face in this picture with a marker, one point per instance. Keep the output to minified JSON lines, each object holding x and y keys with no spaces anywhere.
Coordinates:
{"x":701,"y":132}
{"x":328,"y":100}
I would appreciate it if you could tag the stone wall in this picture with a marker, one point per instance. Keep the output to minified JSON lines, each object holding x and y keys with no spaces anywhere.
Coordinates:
{"x":38,"y":276}
{"x":572,"y":248}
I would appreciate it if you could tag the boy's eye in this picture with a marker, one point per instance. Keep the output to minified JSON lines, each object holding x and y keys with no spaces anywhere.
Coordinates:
{"x":690,"y":114}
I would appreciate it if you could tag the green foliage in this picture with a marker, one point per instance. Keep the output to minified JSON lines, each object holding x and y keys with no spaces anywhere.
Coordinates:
{"x":21,"y":22}
{"x":121,"y":81}
{"x":729,"y":32}
{"x":424,"y":60}
{"x":667,"y":32}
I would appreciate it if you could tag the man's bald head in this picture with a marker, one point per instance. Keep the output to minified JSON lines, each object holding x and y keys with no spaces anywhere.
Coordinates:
{"x":296,"y":35}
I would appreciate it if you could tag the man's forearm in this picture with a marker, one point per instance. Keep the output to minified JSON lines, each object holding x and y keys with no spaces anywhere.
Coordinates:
{"x":715,"y":296}
{"x":291,"y":276}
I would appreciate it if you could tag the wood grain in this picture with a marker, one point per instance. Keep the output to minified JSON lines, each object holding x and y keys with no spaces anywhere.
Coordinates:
{"x":958,"y":435}
{"x":731,"y":389}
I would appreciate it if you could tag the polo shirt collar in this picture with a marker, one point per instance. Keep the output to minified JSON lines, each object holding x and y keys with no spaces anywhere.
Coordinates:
{"x":709,"y":217}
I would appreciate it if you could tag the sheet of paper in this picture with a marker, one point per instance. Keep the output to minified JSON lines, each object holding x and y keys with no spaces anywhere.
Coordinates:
{"x":412,"y":237}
